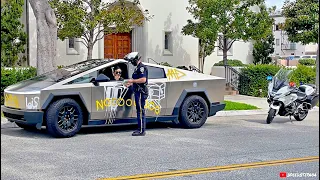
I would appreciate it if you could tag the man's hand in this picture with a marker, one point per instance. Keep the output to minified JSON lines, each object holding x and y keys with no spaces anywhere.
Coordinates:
{"x":131,"y":81}
{"x":128,"y":84}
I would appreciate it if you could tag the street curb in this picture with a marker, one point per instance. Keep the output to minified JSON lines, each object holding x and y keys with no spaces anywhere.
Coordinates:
{"x":241,"y":112}
{"x":250,"y":112}
{"x":4,"y":120}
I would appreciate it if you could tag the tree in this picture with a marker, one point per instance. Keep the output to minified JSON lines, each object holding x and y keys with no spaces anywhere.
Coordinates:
{"x":206,"y":37}
{"x":262,"y":49}
{"x":302,"y":24}
{"x":233,"y":19}
{"x":46,"y":35}
{"x":13,"y":37}
{"x":90,"y":20}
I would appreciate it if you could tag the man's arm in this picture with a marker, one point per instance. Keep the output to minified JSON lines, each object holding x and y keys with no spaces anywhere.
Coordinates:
{"x":143,"y":73}
{"x":140,"y":80}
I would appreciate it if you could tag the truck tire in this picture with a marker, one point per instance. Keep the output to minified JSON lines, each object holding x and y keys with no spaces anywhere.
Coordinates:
{"x":193,"y":112}
{"x":64,"y":118}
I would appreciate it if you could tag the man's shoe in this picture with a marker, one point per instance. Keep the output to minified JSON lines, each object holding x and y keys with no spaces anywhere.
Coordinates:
{"x":138,"y":133}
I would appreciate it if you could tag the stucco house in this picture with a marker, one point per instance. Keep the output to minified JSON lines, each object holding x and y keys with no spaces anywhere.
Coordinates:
{"x":159,"y":39}
{"x":283,"y":47}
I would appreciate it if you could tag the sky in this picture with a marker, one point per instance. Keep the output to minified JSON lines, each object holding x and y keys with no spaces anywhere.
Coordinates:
{"x":278,"y":3}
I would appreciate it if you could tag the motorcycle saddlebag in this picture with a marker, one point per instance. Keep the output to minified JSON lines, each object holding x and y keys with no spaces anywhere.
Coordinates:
{"x":313,"y":100}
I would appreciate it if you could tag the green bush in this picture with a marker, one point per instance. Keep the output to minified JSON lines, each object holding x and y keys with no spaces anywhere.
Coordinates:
{"x":304,"y":74}
{"x":60,"y":66}
{"x":230,"y":62}
{"x":182,"y":67}
{"x":15,"y":75}
{"x":165,"y":64}
{"x":254,"y":78}
{"x":307,"y":62}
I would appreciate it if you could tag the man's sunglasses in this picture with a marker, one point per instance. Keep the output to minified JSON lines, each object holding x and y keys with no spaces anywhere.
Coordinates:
{"x":118,"y":72}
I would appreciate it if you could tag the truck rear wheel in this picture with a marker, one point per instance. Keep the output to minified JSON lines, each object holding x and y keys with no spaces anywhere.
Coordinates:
{"x":64,"y":118}
{"x":193,"y":112}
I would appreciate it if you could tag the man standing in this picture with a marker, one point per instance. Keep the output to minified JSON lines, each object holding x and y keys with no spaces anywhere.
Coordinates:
{"x":140,"y":82}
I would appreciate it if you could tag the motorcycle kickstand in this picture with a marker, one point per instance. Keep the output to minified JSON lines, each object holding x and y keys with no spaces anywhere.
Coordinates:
{"x":290,"y":119}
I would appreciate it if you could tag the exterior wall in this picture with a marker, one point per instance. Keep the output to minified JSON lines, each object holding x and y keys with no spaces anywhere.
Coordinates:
{"x":32,"y":35}
{"x":170,"y":16}
{"x":220,"y":71}
{"x":299,"y":50}
{"x":283,"y":39}
{"x":65,"y":56}
{"x":149,"y":40}
{"x":240,"y":51}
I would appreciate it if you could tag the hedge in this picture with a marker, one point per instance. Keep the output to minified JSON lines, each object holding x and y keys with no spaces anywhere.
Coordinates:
{"x":10,"y":76}
{"x":254,"y":78}
{"x":230,"y":62}
{"x":307,"y":62}
{"x":304,"y":74}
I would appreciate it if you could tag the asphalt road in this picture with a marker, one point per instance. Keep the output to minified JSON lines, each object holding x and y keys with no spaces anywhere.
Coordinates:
{"x":109,"y":152}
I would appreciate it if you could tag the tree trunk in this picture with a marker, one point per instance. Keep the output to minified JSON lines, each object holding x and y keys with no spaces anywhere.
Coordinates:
{"x":203,"y":56}
{"x":46,"y":35}
{"x":225,"y":55}
{"x":317,"y":69}
{"x":90,"y":45}
{"x":90,"y":48}
{"x":225,"y":51}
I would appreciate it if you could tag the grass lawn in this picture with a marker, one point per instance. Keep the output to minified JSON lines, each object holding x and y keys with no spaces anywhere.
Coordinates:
{"x":230,"y":105}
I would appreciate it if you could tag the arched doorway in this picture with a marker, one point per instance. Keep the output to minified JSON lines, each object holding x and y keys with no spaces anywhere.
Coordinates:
{"x":116,"y":46}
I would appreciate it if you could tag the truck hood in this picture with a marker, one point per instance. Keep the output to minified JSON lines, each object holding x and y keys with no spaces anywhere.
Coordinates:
{"x":32,"y":86}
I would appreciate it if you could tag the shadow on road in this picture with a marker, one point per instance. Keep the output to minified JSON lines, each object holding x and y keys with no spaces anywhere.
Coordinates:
{"x":12,"y":130}
{"x":276,"y":120}
{"x":124,"y":128}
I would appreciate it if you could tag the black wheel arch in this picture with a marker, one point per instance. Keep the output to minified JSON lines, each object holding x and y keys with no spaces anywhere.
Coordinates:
{"x":76,"y":96}
{"x":189,"y":92}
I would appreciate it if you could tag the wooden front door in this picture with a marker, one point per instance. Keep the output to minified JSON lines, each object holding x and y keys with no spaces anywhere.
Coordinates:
{"x":116,"y":46}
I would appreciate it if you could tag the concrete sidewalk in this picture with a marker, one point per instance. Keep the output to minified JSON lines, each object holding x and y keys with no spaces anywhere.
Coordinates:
{"x":255,"y":101}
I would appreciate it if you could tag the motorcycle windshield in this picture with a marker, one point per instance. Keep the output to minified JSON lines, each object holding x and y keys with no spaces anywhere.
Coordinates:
{"x":282,"y":78}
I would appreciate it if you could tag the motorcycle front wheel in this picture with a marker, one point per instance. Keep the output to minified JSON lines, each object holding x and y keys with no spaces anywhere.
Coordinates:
{"x":271,"y":115}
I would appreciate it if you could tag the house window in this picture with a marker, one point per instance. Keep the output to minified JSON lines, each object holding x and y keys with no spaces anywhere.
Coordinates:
{"x":277,"y":42}
{"x":167,"y":43}
{"x":72,"y":46}
{"x":292,"y":46}
{"x":277,"y":27}
{"x":71,"y":43}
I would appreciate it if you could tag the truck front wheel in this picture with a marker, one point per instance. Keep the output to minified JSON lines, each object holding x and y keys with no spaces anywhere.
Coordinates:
{"x":64,"y":118}
{"x":193,"y":112}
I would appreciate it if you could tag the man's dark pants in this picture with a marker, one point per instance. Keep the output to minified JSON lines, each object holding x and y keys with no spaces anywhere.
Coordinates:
{"x":140,"y":99}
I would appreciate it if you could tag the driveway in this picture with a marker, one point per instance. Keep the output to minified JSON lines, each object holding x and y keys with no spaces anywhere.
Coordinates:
{"x":259,"y":150}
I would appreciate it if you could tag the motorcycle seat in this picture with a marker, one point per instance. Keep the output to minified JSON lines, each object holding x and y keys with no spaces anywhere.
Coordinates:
{"x":302,"y":89}
{"x":301,"y":95}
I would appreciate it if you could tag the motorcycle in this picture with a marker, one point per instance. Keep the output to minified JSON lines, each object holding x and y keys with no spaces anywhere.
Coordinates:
{"x":286,"y":99}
